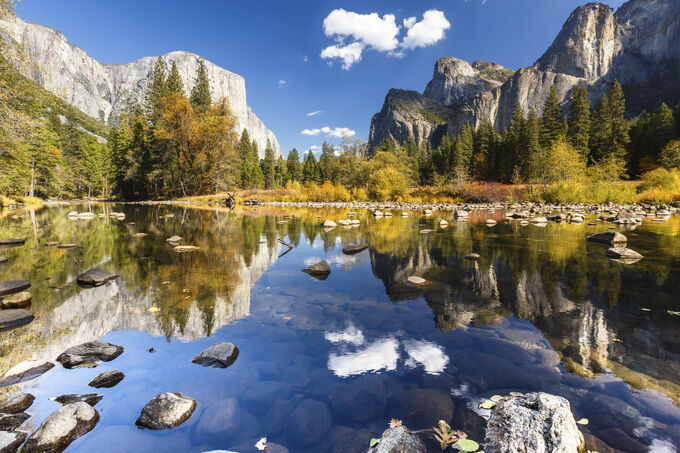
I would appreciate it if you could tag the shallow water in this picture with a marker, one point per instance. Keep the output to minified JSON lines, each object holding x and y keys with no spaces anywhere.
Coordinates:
{"x":324,"y":365}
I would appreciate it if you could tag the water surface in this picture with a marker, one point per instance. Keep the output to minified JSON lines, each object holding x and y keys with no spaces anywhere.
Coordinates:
{"x":324,"y":365}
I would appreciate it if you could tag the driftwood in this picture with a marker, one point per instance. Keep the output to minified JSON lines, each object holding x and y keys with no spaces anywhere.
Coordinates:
{"x":290,"y":247}
{"x":230,"y":202}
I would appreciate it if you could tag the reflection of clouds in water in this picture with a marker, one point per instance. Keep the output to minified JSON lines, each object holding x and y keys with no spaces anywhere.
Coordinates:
{"x":379,"y":355}
{"x":333,"y":260}
{"x":350,"y":335}
{"x":382,"y":354}
{"x":662,"y":446}
{"x":429,"y":355}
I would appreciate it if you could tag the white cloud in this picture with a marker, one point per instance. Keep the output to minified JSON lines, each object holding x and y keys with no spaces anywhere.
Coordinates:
{"x":282,"y":83}
{"x":354,"y":33}
{"x":313,"y":149}
{"x":338,"y":132}
{"x":428,"y":354}
{"x":305,"y":58}
{"x":427,"y":32}
{"x":315,"y":112}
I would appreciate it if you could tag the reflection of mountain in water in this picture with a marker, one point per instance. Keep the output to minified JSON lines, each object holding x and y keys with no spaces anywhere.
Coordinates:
{"x":590,"y":336}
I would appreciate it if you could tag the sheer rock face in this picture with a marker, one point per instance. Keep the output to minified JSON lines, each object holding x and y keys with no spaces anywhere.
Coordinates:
{"x":103,"y":91}
{"x":639,"y":45}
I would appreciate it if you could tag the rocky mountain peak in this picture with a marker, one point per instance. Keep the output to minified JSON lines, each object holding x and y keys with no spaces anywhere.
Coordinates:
{"x":455,"y":80}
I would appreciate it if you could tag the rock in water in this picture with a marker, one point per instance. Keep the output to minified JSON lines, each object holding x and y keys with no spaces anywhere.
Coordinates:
{"x":536,"y":422}
{"x":13,"y":286}
{"x":320,"y":270}
{"x":354,"y":249}
{"x":328,"y":224}
{"x":95,"y":277}
{"x":185,"y":248}
{"x":174,"y":239}
{"x":415,"y":280}
{"x":166,"y":411}
{"x":89,"y":398}
{"x":25,"y":371}
{"x":14,"y":317}
{"x":107,"y":379}
{"x":398,"y":440}
{"x":92,"y":351}
{"x":3,"y":259}
{"x":10,"y":441}
{"x":10,"y":422}
{"x":219,"y":355}
{"x":17,"y":300}
{"x":12,"y":242}
{"x":17,"y":404}
{"x":472,"y":257}
{"x":620,"y":254}
{"x":62,"y":427}
{"x":609,"y":237}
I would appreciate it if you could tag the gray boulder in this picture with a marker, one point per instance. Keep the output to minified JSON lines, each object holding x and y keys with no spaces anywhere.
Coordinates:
{"x":25,"y":371}
{"x":533,"y":423}
{"x":17,"y":404}
{"x":14,"y":317}
{"x":92,"y":351}
{"x":10,"y":422}
{"x":95,"y":277}
{"x":354,"y":249}
{"x":17,"y":300}
{"x":623,"y":254}
{"x":320,"y":270}
{"x":398,"y":440}
{"x":13,"y":286}
{"x":10,"y":441}
{"x":219,"y":355}
{"x":165,"y":411}
{"x":62,"y":427}
{"x":90,"y":398}
{"x":107,"y":379}
{"x":609,"y":237}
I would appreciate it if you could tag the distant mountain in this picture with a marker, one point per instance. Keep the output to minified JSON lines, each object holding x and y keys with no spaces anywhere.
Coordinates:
{"x":639,"y":45}
{"x":103,"y":91}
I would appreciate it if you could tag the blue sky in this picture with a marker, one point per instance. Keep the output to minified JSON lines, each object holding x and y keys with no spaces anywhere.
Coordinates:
{"x":277,"y":47}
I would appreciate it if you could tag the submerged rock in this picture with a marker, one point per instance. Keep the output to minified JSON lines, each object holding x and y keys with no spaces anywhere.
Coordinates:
{"x":14,"y":317}
{"x":174,"y":239}
{"x":25,"y":371}
{"x":354,"y":249}
{"x":623,"y":254}
{"x":166,"y":411}
{"x":67,"y":246}
{"x":95,"y":277}
{"x":320,"y":270}
{"x":62,"y":427}
{"x":308,"y":423}
{"x":17,"y":404}
{"x":536,"y":422}
{"x":10,"y":422}
{"x":92,"y":351}
{"x":107,"y":379}
{"x":421,"y":408}
{"x":398,"y":440}
{"x":609,"y":237}
{"x":17,"y":300}
{"x":90,"y":398}
{"x":185,"y":248}
{"x":219,"y":355}
{"x":12,"y":241}
{"x":10,"y":441}
{"x":13,"y":286}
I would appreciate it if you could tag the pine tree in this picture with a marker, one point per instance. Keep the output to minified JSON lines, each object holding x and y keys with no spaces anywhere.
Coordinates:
{"x":484,"y":138}
{"x":156,"y":91}
{"x":293,"y":164}
{"x":174,"y":84}
{"x":661,"y":129}
{"x":578,"y":132}
{"x":281,"y":173}
{"x":328,"y":163}
{"x":269,"y":167}
{"x":200,"y":93}
{"x":600,"y":129}
{"x":619,"y":126}
{"x":535,"y":154}
{"x":552,"y":121}
{"x":462,"y":154}
{"x":310,"y":170}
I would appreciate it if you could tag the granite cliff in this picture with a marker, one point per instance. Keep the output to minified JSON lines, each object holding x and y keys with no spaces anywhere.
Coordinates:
{"x":103,"y":91}
{"x":639,"y":44}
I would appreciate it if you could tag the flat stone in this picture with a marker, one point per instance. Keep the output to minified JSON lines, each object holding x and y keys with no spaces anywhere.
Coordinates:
{"x":622,"y":253}
{"x":354,"y":249}
{"x":185,"y":248}
{"x":399,"y":440}
{"x":609,"y":237}
{"x":328,"y":224}
{"x":3,"y":259}
{"x":533,"y":423}
{"x":95,"y":277}
{"x":13,"y":286}
{"x":139,"y":235}
{"x":62,"y":427}
{"x":10,"y":441}
{"x":472,"y":257}
{"x":12,"y":242}
{"x":25,"y":371}
{"x":10,"y":422}
{"x":107,"y":379}
{"x":90,"y":398}
{"x":17,"y":300}
{"x":67,"y":246}
{"x":415,"y":280}
{"x":219,"y":355}
{"x":320,"y":270}
{"x":538,"y":220}
{"x":166,"y":411}
{"x":14,"y":317}
{"x":92,"y":351}
{"x":52,"y":244}
{"x":174,"y":239}
{"x":17,"y":404}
